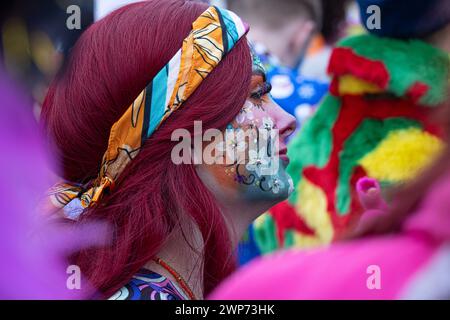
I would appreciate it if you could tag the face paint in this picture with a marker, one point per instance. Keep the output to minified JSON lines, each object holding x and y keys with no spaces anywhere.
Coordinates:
{"x":256,"y":172}
{"x":261,"y":175}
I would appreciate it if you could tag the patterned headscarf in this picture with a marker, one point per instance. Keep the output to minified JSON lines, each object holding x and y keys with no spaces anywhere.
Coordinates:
{"x":213,"y":35}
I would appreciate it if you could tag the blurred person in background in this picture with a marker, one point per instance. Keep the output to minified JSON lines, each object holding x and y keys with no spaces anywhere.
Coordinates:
{"x":284,"y":35}
{"x":376,"y":122}
{"x":400,"y":249}
{"x":405,"y":254}
{"x":284,"y":28}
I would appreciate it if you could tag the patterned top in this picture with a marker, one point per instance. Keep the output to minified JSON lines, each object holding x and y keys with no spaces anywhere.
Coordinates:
{"x":148,"y":285}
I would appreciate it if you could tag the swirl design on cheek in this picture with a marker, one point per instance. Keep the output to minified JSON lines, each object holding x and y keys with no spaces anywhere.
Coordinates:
{"x":252,"y":170}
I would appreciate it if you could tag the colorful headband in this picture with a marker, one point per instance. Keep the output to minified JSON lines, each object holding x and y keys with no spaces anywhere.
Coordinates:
{"x":213,"y":35}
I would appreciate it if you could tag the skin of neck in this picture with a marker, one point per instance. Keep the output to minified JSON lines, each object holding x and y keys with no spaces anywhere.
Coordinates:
{"x":183,"y":252}
{"x":238,"y":212}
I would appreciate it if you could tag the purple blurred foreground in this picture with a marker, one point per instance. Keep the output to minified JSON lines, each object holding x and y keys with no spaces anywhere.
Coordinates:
{"x":32,"y":252}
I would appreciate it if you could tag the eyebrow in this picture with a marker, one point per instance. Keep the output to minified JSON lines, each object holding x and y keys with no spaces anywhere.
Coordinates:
{"x":259,"y":72}
{"x":262,"y":90}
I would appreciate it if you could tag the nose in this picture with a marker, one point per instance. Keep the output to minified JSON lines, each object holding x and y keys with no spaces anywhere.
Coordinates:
{"x":285,"y":122}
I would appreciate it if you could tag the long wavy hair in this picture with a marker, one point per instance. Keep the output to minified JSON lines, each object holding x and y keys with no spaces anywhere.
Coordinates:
{"x":110,"y":64}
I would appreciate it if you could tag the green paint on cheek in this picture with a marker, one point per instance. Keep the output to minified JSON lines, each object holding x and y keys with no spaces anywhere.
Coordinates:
{"x":273,"y":188}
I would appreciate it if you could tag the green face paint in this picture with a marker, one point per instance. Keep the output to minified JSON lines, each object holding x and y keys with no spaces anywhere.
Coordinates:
{"x":257,"y":172}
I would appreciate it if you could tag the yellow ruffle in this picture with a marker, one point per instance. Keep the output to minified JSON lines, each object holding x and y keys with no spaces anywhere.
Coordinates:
{"x":312,"y":206}
{"x":402,"y":155}
{"x":351,"y":85}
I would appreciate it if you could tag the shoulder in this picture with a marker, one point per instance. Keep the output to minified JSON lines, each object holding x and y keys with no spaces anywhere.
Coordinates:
{"x":148,"y":285}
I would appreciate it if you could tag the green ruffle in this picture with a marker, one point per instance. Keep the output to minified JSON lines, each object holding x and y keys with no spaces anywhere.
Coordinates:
{"x":408,"y":62}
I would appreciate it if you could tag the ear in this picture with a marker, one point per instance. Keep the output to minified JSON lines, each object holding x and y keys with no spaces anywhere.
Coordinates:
{"x":301,"y":33}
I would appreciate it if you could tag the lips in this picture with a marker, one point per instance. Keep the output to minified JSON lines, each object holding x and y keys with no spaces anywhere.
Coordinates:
{"x":282,"y":154}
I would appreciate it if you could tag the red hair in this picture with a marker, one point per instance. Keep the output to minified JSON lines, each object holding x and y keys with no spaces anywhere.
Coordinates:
{"x":110,"y":64}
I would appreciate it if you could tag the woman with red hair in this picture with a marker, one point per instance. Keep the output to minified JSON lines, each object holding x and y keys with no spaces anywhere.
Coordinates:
{"x":132,"y":80}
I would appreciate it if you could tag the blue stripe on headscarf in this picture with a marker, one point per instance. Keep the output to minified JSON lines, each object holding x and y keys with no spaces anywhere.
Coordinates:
{"x":232,"y":34}
{"x":159,"y":92}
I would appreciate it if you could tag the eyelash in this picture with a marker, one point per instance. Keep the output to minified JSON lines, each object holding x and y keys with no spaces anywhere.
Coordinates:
{"x":265,"y":89}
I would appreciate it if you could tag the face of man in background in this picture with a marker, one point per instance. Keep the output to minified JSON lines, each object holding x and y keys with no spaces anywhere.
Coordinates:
{"x":283,"y":27}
